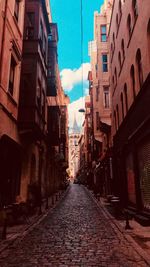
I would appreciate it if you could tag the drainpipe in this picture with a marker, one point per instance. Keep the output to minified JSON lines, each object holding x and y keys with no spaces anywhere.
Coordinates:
{"x":3,"y":38}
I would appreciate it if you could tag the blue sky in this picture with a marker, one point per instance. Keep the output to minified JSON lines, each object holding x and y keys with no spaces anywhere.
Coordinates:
{"x":67,"y":14}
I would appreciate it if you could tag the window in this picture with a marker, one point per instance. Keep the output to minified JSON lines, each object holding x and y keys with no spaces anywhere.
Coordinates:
{"x":13,"y":65}
{"x":103,"y":33}
{"x":45,"y":46}
{"x":30,"y":18}
{"x":115,"y":76}
{"x":111,"y":50}
{"x":117,"y":22}
{"x":126,"y":97}
{"x":148,"y":38}
{"x":104,"y":63}
{"x":117,"y":110}
{"x":113,"y":80}
{"x":50,"y":37}
{"x":16,"y":11}
{"x":97,"y":93}
{"x":30,"y":25}
{"x":129,"y":25}
{"x":122,"y":105}
{"x":39,"y":95}
{"x":29,"y":33}
{"x":139,"y":67}
{"x":120,"y":10}
{"x":113,"y":41}
{"x":135,"y":9}
{"x":122,"y":48}
{"x":41,"y":35}
{"x":132,"y":74}
{"x":119,"y":59}
{"x":115,"y":120}
{"x":106,"y":97}
{"x":97,"y":120}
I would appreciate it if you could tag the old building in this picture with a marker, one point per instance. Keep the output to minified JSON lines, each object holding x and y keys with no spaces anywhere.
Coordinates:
{"x":74,"y":152}
{"x":11,"y":40}
{"x":57,"y":116}
{"x":129,"y":37}
{"x":33,"y":105}
{"x":87,"y":132}
{"x":99,"y":89}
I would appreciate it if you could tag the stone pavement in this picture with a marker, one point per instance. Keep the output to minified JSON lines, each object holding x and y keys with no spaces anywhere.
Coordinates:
{"x":76,"y":234}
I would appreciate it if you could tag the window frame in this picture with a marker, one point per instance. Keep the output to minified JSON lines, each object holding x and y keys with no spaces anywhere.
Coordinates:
{"x":104,"y":63}
{"x":17,"y":9}
{"x":97,"y":120}
{"x":103,"y":33}
{"x":132,"y":75}
{"x":106,"y":97}
{"x":11,"y":84}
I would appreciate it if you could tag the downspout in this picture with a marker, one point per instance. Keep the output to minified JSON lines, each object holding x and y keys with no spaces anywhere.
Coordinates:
{"x":3,"y":39}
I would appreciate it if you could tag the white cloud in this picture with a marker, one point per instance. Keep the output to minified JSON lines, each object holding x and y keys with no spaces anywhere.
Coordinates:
{"x":86,"y":91}
{"x":72,"y":77}
{"x":73,"y":110}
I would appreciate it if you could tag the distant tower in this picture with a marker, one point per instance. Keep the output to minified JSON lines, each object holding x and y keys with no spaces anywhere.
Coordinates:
{"x":75,"y":128}
{"x":74,"y":137}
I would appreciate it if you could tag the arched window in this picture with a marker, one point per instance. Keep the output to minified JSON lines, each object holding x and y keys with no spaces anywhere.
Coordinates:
{"x":120,"y":10}
{"x":122,"y":48}
{"x":115,"y":120}
{"x":148,"y":37}
{"x":114,"y":41}
{"x":139,"y":67}
{"x":122,"y":105}
{"x":117,"y":111}
{"x":135,"y":9}
{"x":113,"y":81}
{"x":129,"y":25}
{"x":111,"y":49}
{"x":132,"y":74}
{"x":117,"y":22}
{"x":115,"y":76}
{"x":126,"y":97}
{"x":119,"y":59}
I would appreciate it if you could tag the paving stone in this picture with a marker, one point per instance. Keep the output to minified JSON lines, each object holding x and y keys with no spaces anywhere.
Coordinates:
{"x":76,"y":234}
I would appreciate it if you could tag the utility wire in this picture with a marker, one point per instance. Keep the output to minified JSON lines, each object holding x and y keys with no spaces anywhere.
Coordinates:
{"x":82,"y":44}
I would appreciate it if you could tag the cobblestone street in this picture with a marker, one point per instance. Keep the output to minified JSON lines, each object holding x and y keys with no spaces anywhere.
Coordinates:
{"x":76,"y":233}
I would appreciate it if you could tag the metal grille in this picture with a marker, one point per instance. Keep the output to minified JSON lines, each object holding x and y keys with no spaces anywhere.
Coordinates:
{"x":144,"y":172}
{"x":130,"y":179}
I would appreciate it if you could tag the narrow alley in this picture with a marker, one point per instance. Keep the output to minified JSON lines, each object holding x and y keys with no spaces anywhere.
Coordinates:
{"x":76,"y":233}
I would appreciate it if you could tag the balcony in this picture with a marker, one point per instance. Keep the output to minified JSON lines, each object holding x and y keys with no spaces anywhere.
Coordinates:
{"x":53,"y":125}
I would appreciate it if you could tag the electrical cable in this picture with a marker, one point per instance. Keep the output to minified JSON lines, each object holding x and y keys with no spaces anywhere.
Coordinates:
{"x":81,"y":17}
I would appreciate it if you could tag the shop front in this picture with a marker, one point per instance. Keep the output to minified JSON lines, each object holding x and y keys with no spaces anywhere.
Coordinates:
{"x":131,"y":155}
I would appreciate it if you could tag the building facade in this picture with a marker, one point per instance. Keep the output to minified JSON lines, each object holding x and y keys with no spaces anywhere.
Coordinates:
{"x":129,"y":37}
{"x":32,"y":105}
{"x":11,"y":41}
{"x":99,"y":89}
{"x":57,"y":115}
{"x":87,"y":132}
